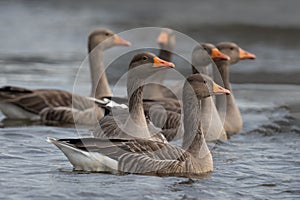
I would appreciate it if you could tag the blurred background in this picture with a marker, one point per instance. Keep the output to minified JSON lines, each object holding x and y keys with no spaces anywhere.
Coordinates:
{"x":49,"y":37}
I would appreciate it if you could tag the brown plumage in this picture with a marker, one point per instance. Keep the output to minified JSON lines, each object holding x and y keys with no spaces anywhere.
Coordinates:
{"x":166,"y":41}
{"x":233,"y":119}
{"x":59,"y":105}
{"x":133,"y":124}
{"x":142,"y":156}
{"x":212,"y":123}
{"x":170,"y":118}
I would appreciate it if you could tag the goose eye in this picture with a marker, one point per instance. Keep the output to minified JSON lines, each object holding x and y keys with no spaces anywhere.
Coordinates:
{"x":231,"y":48}
{"x":145,"y":57}
{"x":106,"y":34}
{"x":204,"y":82}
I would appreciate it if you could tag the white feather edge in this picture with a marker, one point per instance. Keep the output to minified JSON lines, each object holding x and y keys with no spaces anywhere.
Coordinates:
{"x":108,"y":102}
{"x":84,"y":160}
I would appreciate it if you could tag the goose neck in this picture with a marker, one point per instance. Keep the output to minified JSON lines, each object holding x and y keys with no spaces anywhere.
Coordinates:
{"x":193,"y":138}
{"x":202,"y":70}
{"x":165,"y":55}
{"x":100,"y":86}
{"x":223,"y":68}
{"x":135,"y":95}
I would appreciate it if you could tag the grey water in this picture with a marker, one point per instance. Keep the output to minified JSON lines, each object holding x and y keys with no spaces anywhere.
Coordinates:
{"x":43,"y":43}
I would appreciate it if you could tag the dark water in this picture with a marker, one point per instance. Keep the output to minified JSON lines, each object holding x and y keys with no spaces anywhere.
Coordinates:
{"x":42,"y":44}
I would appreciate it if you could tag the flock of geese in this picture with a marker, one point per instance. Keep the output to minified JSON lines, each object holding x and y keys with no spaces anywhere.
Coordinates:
{"x":127,"y":138}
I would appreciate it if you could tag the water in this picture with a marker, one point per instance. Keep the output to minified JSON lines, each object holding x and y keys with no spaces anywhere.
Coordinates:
{"x":42,"y":39}
{"x":262,"y":162}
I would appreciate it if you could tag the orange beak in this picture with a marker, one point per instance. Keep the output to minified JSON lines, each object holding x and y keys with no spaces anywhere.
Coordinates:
{"x":217,"y":55}
{"x":219,"y":90}
{"x":163,"y":38}
{"x":246,"y":55}
{"x":120,"y":41}
{"x":162,"y":63}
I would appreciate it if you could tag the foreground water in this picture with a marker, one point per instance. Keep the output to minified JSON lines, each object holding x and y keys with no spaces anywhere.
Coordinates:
{"x":262,"y":162}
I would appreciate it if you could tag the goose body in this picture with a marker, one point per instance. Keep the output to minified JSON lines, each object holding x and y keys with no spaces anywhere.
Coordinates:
{"x":31,"y":102}
{"x":139,"y":156}
{"x":13,"y":111}
{"x":60,"y":105}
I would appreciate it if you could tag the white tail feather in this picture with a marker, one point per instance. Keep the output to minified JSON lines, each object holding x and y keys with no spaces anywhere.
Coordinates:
{"x":86,"y":161}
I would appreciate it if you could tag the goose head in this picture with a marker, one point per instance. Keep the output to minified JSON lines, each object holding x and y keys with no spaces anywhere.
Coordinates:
{"x":166,"y":39}
{"x":146,"y":64}
{"x":214,"y":52}
{"x":235,"y":52}
{"x":202,"y":55}
{"x":203,"y":86}
{"x":105,"y":38}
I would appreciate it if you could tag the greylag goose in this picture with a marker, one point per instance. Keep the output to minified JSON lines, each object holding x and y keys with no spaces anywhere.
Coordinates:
{"x":140,"y":156}
{"x":121,"y":123}
{"x":211,"y":122}
{"x":233,"y":119}
{"x":155,"y":94}
{"x":166,"y":41}
{"x":59,"y":105}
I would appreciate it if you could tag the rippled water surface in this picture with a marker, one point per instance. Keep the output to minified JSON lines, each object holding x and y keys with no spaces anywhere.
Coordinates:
{"x":44,"y":39}
{"x":262,"y":162}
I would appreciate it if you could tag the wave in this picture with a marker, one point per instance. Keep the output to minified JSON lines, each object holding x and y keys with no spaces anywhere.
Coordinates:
{"x":269,"y":120}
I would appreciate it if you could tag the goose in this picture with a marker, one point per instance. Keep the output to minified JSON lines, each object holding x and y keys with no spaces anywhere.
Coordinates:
{"x":233,"y":119}
{"x":56,"y":105}
{"x":119,"y":124}
{"x":155,"y":94}
{"x":166,"y":41}
{"x":141,"y":156}
{"x":211,"y":122}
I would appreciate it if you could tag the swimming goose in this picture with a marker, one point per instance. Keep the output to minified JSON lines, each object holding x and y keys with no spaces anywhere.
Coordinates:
{"x":122,"y":124}
{"x":155,"y":94}
{"x":233,"y":119}
{"x":59,"y":105}
{"x":211,"y":122}
{"x":166,"y":41}
{"x":140,"y":156}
